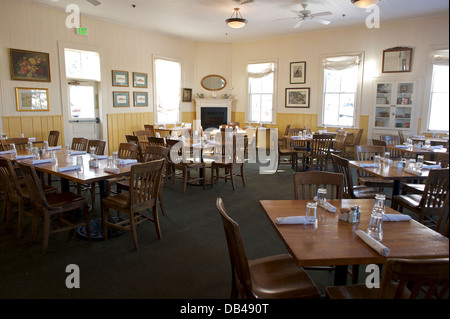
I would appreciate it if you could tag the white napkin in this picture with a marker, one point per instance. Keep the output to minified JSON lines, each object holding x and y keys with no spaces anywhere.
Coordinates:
{"x":295,"y":137}
{"x":31,"y":139}
{"x":19,"y":157}
{"x":425,"y":166}
{"x":113,"y":170}
{"x":290,"y":220}
{"x":77,"y":152}
{"x":396,"y":217}
{"x":419,"y":136}
{"x":53,"y":148}
{"x":123,"y":161}
{"x":375,"y":244}
{"x":6,"y":152}
{"x":69,"y":168}
{"x":369,"y":165}
{"x":329,"y":207}
{"x":42,"y":161}
{"x":412,"y":171}
{"x":434,"y":147}
{"x":401,"y":146}
{"x":102,"y":157}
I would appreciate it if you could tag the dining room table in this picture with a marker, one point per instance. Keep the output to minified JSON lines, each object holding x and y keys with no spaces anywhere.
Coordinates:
{"x":416,"y":151}
{"x":331,"y":241}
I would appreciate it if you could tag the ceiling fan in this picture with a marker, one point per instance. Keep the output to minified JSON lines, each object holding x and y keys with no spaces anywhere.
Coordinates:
{"x":305,"y":15}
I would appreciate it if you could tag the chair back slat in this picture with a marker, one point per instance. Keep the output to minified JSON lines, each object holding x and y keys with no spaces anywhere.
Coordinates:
{"x":312,"y":181}
{"x":79,"y":144}
{"x":99,"y":146}
{"x":9,"y":181}
{"x":151,"y":129}
{"x":436,"y":190}
{"x":128,"y":151}
{"x":53,"y":137}
{"x":341,"y":165}
{"x":21,"y":143}
{"x":34,"y":186}
{"x":158,"y":141}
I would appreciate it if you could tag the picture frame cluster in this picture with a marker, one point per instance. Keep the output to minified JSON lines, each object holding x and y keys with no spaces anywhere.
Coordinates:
{"x":297,"y":97}
{"x":122,"y":98}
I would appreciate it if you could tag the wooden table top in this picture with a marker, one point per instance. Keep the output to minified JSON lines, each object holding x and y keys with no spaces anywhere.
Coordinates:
{"x":412,"y":150}
{"x":386,"y":171}
{"x":86,"y":175}
{"x":334,"y":242}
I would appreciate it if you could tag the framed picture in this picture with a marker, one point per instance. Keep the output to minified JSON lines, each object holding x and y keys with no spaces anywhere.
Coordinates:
{"x":120,"y":78}
{"x":29,"y":65}
{"x":403,"y":100}
{"x":298,"y":72}
{"x":30,"y":99}
{"x":140,"y":98}
{"x":187,"y":95}
{"x":397,"y":59}
{"x":121,"y":99}
{"x":140,"y":80}
{"x":297,"y":97}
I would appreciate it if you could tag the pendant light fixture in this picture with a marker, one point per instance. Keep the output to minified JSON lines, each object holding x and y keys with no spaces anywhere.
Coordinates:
{"x":236,"y":21}
{"x":364,"y":3}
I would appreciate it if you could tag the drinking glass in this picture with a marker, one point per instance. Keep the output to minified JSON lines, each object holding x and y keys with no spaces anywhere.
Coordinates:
{"x":110,"y":162}
{"x":419,"y":163}
{"x":310,"y":214}
{"x":322,"y":196}
{"x":115,"y":157}
{"x":35,"y":153}
{"x":427,"y":142}
{"x":377,"y":160}
{"x":30,"y":145}
{"x":13,"y":147}
{"x":387,"y":156}
{"x":376,"y":217}
{"x":67,"y":149}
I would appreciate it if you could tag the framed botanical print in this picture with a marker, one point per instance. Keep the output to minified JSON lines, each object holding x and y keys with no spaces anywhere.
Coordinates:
{"x":120,"y":78}
{"x":29,"y":65}
{"x":140,"y":98}
{"x":121,"y":99}
{"x":297,"y":97}
{"x":31,"y":99}
{"x":187,"y":95}
{"x":298,"y":73}
{"x":140,"y":80}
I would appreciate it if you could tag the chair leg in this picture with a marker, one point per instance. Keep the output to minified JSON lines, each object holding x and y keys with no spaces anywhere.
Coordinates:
{"x":156,"y":221}
{"x":20,"y":219}
{"x":185,"y":176}
{"x":46,"y":233}
{"x":212,"y":176}
{"x":105,"y":211}
{"x":242,"y":174}
{"x":232,"y":177}
{"x":86,"y":220}
{"x":133,"y":231}
{"x":204,"y":176}
{"x":93,"y":194}
{"x":161,"y":203}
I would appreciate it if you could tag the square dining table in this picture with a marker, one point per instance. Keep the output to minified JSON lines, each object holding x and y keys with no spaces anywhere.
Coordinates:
{"x":331,"y":241}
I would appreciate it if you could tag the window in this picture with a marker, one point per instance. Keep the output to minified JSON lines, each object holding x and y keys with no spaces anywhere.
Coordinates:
{"x":167,"y":91}
{"x":341,"y":87}
{"x":438,"y":113}
{"x":83,"y":75}
{"x":261,"y":88}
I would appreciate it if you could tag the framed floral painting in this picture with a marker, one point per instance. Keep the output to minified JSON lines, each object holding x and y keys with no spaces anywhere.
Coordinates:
{"x":29,"y":65}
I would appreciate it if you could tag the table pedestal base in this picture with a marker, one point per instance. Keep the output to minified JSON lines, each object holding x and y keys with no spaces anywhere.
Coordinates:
{"x":97,"y":229}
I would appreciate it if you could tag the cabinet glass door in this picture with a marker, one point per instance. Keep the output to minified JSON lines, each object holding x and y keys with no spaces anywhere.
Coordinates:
{"x":404,"y":101}
{"x":383,"y":105}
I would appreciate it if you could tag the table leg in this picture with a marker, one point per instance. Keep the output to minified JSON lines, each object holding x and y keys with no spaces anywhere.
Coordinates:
{"x":340,"y":275}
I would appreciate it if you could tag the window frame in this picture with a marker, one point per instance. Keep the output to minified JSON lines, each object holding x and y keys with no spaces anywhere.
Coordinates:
{"x":274,"y":94}
{"x":358,"y":94}
{"x":155,"y":95}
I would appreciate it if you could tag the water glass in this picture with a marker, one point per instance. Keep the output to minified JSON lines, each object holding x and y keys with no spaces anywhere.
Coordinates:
{"x":377,"y":160}
{"x":427,"y":142}
{"x":30,"y":145}
{"x":67,"y":149}
{"x":35,"y":153}
{"x":80,"y":161}
{"x":322,"y":196}
{"x":13,"y":147}
{"x":310,"y":214}
{"x":419,"y":163}
{"x":110,"y":162}
{"x":375,"y":229}
{"x":387,"y":156}
{"x":115,"y":157}
{"x":380,"y":202}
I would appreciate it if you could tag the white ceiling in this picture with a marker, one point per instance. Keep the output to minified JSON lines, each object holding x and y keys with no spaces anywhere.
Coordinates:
{"x":204,"y":20}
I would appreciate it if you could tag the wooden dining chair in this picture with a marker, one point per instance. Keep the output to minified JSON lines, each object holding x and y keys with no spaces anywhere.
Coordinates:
{"x":317,"y":157}
{"x":230,"y":164}
{"x":368,"y":153}
{"x":350,"y":144}
{"x":307,"y":183}
{"x":151,"y":129}
{"x":53,"y":138}
{"x":402,"y":279}
{"x":338,"y":145}
{"x":135,"y":140}
{"x":156,"y":141}
{"x":144,"y":187}
{"x":16,"y":194}
{"x":442,"y":226}
{"x":391,"y":140}
{"x":125,"y":151}
{"x":142,"y":135}
{"x":21,"y":143}
{"x":79,"y":144}
{"x":442,"y":158}
{"x":46,"y":206}
{"x":179,"y":161}
{"x":431,"y":201}
{"x":273,"y":277}
{"x":401,"y":137}
{"x":341,"y":165}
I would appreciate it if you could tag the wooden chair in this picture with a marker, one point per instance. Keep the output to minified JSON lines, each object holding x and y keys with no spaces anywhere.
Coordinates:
{"x":431,"y":201}
{"x":274,"y":277}
{"x":317,"y":157}
{"x":55,"y":204}
{"x":16,"y":193}
{"x":338,"y":144}
{"x":151,"y":153}
{"x":151,"y":129}
{"x":443,"y":221}
{"x":79,"y":144}
{"x":235,"y":124}
{"x":309,"y":182}
{"x":402,"y":279}
{"x":125,"y":151}
{"x":379,"y":143}
{"x":21,"y":143}
{"x":401,"y":137}
{"x":144,"y":186}
{"x":230,"y":164}
{"x":367,"y":153}
{"x":156,"y":141}
{"x":53,"y":138}
{"x":142,"y":135}
{"x":392,"y":140}
{"x":135,"y":140}
{"x":350,"y":144}
{"x":341,"y":165}
{"x":178,"y":161}
{"x":442,"y":158}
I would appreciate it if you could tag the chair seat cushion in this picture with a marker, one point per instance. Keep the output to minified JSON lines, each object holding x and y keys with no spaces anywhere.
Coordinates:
{"x":280,"y":277}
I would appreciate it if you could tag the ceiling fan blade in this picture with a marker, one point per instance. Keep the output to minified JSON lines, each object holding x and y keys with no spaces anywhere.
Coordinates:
{"x":94,"y":2}
{"x":286,"y":19}
{"x":325,"y":22}
{"x":298,"y":24}
{"x":321,"y":14}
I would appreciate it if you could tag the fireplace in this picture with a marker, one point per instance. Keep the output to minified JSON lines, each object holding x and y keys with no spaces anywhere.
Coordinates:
{"x":213,"y":117}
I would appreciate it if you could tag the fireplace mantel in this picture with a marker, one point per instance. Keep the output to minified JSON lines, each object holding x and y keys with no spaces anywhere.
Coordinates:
{"x":207,"y":102}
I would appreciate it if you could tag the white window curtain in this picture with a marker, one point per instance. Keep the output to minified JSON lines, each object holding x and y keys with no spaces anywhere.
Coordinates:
{"x":260,"y":70}
{"x":341,"y":62}
{"x":261,"y":86}
{"x":440,"y":57}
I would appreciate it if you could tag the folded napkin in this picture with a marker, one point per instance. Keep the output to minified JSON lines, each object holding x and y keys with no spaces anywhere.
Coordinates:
{"x":412,"y":171}
{"x":77,"y":152}
{"x":19,"y":157}
{"x":42,"y":161}
{"x":329,"y":207}
{"x":102,"y":157}
{"x":31,"y":139}
{"x":434,"y":147}
{"x":53,"y":148}
{"x":396,"y":217}
{"x":402,"y":146}
{"x":295,"y":137}
{"x":69,"y":168}
{"x":418,"y":136}
{"x":123,"y":161}
{"x":113,"y":170}
{"x":6,"y":152}
{"x":290,"y":220}
{"x":431,"y":166}
{"x":375,"y":244}
{"x":369,"y":165}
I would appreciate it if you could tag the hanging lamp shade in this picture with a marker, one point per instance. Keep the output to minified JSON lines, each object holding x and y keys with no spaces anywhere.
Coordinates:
{"x":364,"y":3}
{"x":236,"y":21}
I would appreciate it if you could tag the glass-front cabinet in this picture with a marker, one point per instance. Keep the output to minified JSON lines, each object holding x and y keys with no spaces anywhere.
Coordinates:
{"x":394,"y":105}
